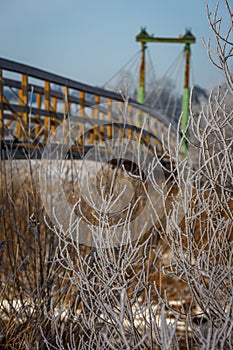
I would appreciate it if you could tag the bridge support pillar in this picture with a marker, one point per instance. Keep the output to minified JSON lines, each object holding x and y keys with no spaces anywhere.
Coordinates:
{"x":185,"y":100}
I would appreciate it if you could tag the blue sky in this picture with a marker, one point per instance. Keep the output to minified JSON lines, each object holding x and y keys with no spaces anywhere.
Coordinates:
{"x":91,"y":40}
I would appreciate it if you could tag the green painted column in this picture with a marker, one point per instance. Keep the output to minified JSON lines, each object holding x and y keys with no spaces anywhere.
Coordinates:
{"x":141,"y":87}
{"x":185,"y":110}
{"x":141,"y":94}
{"x":185,"y":100}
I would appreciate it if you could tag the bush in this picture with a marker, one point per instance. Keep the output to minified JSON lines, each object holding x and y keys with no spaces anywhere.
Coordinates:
{"x":167,"y":285}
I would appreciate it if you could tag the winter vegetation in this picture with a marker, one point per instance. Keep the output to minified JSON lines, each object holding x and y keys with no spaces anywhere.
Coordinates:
{"x":167,"y":285}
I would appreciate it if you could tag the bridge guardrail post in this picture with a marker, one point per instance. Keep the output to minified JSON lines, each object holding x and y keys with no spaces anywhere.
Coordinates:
{"x":120,"y":108}
{"x":47,"y":107}
{"x":37,"y":116}
{"x":66,"y":108}
{"x":22,"y":130}
{"x":53,"y":120}
{"x":82,"y":106}
{"x":95,"y":115}
{"x":109,"y":114}
{"x":1,"y":107}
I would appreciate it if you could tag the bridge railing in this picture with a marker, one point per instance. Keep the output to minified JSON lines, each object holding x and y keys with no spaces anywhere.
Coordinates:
{"x":34,"y":102}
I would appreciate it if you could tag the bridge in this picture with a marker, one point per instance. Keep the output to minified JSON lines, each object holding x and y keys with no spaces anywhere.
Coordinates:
{"x":33,"y":103}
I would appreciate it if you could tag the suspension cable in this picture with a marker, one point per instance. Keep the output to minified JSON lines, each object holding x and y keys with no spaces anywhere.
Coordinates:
{"x":122,"y":68}
{"x":166,"y":74}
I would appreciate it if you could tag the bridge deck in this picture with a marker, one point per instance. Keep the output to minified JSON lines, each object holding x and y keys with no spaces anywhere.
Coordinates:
{"x":33,"y":103}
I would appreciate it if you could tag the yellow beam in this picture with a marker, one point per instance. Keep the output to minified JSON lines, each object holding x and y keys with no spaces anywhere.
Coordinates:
{"x":144,"y":37}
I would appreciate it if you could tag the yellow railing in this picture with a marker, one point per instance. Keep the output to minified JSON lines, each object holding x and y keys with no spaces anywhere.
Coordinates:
{"x":34,"y":102}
